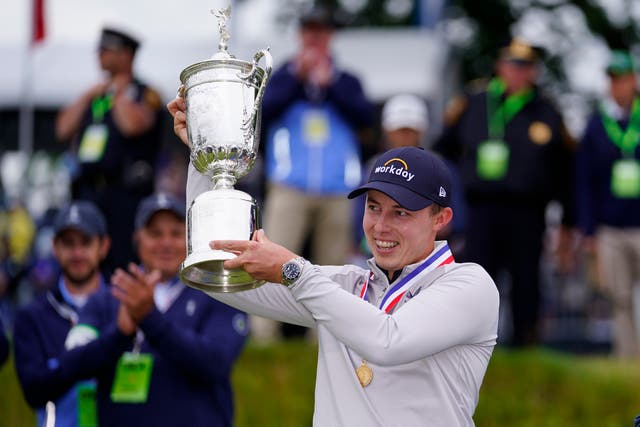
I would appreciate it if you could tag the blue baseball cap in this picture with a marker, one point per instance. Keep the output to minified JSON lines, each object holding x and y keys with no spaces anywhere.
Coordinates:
{"x":156,"y":203}
{"x":413,"y":177}
{"x":83,"y":216}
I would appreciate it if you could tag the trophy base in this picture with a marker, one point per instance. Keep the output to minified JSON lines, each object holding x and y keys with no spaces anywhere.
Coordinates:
{"x":208,"y":274}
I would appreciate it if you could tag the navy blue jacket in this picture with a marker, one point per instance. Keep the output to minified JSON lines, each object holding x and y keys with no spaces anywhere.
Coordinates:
{"x":596,"y":204}
{"x":194,"y":345}
{"x":45,"y":370}
{"x":321,"y":152}
{"x":344,"y":93}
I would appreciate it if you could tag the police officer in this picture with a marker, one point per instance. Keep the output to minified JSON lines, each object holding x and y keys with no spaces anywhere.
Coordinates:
{"x":514,"y":156}
{"x":115,"y":126}
{"x":608,"y":192}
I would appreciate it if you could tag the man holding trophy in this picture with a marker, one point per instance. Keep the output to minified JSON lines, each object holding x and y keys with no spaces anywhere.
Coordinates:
{"x":402,"y":342}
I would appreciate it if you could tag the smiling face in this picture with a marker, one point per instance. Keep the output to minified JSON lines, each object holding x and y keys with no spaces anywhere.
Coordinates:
{"x":399,"y":237}
{"x":161,"y":244}
{"x":79,"y":257}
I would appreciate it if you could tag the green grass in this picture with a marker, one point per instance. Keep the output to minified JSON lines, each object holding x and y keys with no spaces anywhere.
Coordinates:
{"x":543,"y":388}
{"x":14,"y":411}
{"x":534,"y":388}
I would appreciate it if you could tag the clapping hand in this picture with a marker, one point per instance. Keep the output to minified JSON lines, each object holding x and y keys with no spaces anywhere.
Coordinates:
{"x":134,"y":289}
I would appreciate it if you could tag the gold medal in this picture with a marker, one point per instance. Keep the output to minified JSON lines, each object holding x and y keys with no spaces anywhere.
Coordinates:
{"x":364,"y":373}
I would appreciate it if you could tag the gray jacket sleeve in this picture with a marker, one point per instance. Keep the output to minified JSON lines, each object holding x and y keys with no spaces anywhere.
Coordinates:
{"x":459,"y":308}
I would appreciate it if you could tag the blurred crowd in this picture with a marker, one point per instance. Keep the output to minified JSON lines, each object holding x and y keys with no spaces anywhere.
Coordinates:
{"x":553,"y":217}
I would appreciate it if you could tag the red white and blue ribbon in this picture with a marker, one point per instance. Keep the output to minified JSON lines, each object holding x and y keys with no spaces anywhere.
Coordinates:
{"x":440,"y":257}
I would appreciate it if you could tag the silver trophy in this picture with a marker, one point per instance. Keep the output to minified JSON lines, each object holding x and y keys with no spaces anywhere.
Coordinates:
{"x":223,"y":96}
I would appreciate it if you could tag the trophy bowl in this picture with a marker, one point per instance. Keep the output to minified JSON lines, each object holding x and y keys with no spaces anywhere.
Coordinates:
{"x":223,"y":96}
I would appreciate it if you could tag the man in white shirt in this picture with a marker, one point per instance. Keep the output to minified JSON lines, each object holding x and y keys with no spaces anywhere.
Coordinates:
{"x":405,"y":342}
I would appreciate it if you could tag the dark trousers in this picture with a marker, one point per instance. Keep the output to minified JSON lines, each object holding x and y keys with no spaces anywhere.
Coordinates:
{"x":508,"y":236}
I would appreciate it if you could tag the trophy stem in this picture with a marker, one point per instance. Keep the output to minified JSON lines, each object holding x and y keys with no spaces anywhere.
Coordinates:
{"x":223,"y":181}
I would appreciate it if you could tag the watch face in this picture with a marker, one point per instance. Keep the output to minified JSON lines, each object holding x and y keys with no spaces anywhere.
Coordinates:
{"x":291,"y":271}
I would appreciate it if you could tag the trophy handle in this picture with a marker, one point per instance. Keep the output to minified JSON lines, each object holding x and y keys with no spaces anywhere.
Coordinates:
{"x":263,"y":85}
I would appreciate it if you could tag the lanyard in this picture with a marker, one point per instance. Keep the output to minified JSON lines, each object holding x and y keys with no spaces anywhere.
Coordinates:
{"x":626,"y":140}
{"x":438,"y":258}
{"x":66,"y":309}
{"x":63,"y":310}
{"x":499,"y":114}
{"x":100,"y":106}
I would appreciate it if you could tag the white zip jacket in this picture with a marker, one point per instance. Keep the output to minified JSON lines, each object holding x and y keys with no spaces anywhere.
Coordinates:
{"x":428,"y":355}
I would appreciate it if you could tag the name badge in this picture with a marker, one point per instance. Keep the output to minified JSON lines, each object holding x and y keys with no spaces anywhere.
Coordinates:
{"x":93,"y":143}
{"x":133,"y":375}
{"x":316,"y":128}
{"x":493,"y":160}
{"x":625,"y":179}
{"x":87,"y":413}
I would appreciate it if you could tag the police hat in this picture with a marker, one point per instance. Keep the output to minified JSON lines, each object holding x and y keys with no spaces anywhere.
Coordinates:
{"x":519,"y":51}
{"x":115,"y":39}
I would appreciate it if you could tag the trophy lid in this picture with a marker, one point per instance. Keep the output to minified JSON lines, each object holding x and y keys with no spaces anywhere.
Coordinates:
{"x":222,"y":59}
{"x":223,"y":16}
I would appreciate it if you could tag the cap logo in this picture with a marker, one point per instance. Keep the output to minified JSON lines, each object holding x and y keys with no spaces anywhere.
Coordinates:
{"x":162,"y":200}
{"x":402,"y":170}
{"x":442,"y":192}
{"x":74,"y":214}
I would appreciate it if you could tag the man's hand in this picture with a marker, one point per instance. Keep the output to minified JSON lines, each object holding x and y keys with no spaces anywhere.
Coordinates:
{"x":135,"y":290}
{"x":259,"y":257}
{"x":314,"y":66}
{"x":178,"y":110}
{"x":565,"y":250}
{"x":125,"y":322}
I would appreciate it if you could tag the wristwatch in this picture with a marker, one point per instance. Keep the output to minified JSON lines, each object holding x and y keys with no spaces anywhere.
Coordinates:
{"x":292,"y":270}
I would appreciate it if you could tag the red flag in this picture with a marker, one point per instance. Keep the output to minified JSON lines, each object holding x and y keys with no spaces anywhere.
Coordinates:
{"x":37,"y":34}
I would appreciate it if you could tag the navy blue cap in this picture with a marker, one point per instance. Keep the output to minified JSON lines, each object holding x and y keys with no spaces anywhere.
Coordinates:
{"x":413,"y":177}
{"x":156,"y":203}
{"x":83,"y":216}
